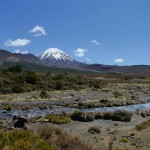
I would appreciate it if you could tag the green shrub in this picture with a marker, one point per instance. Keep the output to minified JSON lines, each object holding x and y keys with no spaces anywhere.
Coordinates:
{"x":22,"y":140}
{"x":124,"y":140}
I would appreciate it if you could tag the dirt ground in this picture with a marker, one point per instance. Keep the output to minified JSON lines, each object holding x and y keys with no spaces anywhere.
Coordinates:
{"x":110,"y":131}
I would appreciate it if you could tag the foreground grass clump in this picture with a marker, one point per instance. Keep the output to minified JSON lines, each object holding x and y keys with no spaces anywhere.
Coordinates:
{"x":80,"y":116}
{"x":62,"y":141}
{"x":22,"y":140}
{"x":124,"y":140}
{"x":57,"y":119}
{"x":143,"y":125}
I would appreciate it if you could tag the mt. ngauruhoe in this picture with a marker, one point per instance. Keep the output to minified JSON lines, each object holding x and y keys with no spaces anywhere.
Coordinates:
{"x":55,"y":56}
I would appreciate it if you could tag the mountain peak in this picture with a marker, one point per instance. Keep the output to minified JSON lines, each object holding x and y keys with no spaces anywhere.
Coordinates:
{"x":55,"y":55}
{"x":53,"y":50}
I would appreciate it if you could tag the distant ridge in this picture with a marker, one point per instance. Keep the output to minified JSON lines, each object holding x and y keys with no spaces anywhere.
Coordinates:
{"x":55,"y":58}
{"x":17,"y":57}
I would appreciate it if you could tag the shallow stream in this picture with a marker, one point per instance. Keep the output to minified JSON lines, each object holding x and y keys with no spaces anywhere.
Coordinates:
{"x":58,"y":110}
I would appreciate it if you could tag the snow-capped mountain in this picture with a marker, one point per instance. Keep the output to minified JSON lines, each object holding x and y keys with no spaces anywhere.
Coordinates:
{"x":55,"y":56}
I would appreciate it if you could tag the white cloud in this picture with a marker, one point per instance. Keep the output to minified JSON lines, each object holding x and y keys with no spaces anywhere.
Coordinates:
{"x":95,"y":42}
{"x":80,"y":52}
{"x":21,"y":52}
{"x":88,"y":59}
{"x":119,"y":60}
{"x":17,"y":42}
{"x":38,"y":31}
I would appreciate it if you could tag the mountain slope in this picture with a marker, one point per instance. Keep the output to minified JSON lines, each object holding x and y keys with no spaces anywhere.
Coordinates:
{"x":17,"y":57}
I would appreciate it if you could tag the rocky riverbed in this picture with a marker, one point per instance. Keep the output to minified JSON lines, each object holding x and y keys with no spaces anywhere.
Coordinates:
{"x":122,"y":135}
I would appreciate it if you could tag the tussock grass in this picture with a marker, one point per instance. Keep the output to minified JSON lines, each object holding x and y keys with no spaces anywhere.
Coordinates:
{"x":57,"y":119}
{"x":143,"y":125}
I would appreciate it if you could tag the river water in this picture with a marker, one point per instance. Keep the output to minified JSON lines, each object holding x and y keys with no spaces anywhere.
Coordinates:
{"x":37,"y":112}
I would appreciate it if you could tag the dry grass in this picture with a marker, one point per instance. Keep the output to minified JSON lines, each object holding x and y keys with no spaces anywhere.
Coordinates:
{"x":143,"y":125}
{"x":63,"y":141}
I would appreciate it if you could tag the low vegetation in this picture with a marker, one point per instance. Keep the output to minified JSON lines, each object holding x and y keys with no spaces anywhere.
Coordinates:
{"x":16,"y":80}
{"x":115,"y":116}
{"x":118,"y":116}
{"x":57,"y":119}
{"x":28,"y":81}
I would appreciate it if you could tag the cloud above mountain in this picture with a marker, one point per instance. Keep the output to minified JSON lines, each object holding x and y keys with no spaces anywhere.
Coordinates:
{"x":21,"y":52}
{"x":17,"y":42}
{"x":38,"y":31}
{"x":79,"y":52}
{"x":95,"y":42}
{"x":119,"y":60}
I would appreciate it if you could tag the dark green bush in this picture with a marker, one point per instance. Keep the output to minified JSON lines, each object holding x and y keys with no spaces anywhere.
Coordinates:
{"x":58,"y":86}
{"x":99,"y":115}
{"x":108,"y":115}
{"x":121,"y":116}
{"x":17,"y":89}
{"x":43,"y":94}
{"x":31,"y":77}
{"x":93,"y":130}
{"x":79,"y":116}
{"x":16,"y":68}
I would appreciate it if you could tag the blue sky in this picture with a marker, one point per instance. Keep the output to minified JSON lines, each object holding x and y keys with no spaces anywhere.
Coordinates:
{"x":93,"y":31}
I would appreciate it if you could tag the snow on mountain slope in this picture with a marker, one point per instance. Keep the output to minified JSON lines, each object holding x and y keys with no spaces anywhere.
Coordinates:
{"x":55,"y":55}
